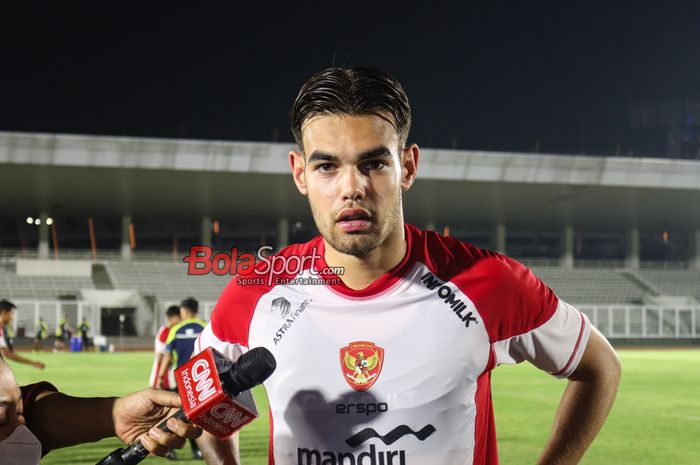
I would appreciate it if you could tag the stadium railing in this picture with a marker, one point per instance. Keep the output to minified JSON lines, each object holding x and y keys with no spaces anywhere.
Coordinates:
{"x":644,"y":322}
{"x":52,"y":311}
{"x":614,"y":321}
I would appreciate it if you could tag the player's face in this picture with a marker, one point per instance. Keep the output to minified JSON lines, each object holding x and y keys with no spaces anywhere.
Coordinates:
{"x":353,"y":172}
{"x":6,"y":316}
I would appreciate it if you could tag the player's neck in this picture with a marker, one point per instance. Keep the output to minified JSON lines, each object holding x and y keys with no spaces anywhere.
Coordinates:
{"x":360,"y":272}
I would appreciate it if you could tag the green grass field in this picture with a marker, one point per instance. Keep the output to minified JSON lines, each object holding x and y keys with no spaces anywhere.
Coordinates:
{"x":655,"y":420}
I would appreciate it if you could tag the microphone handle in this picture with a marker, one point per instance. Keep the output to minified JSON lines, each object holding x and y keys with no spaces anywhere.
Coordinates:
{"x":135,"y":453}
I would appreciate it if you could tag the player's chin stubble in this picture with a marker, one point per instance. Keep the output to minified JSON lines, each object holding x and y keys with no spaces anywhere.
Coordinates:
{"x":362,"y":244}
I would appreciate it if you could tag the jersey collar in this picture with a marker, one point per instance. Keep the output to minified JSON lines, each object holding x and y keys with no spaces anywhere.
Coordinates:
{"x":381,"y":284}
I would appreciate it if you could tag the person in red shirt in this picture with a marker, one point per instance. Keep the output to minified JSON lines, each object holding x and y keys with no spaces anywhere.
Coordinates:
{"x":172,"y":314}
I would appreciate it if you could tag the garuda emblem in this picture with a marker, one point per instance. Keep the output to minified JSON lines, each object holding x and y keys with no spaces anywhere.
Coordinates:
{"x":361,"y":363}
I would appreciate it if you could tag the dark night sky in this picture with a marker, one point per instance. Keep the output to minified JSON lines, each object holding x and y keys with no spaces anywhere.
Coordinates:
{"x":494,"y":77}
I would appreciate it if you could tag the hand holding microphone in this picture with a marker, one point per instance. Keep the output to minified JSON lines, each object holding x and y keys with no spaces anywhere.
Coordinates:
{"x":215,"y":396}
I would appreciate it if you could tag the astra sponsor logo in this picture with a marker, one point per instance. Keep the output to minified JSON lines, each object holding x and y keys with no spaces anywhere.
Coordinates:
{"x":256,"y":268}
{"x":281,"y":305}
{"x":446,"y":293}
{"x":372,"y":456}
{"x":289,"y":319}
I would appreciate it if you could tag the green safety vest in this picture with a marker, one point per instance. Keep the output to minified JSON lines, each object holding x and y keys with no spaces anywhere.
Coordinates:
{"x":59,"y":328}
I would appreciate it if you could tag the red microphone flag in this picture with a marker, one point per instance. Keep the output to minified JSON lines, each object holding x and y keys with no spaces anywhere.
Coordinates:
{"x":204,"y":400}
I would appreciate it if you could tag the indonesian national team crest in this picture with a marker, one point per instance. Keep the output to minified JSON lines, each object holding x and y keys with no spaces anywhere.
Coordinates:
{"x":361,"y":363}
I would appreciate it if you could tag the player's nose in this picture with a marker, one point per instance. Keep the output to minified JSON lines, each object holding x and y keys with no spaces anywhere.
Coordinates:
{"x":352,"y":184}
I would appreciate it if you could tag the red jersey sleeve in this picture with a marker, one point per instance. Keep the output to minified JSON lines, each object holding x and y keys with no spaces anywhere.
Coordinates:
{"x":523,"y":317}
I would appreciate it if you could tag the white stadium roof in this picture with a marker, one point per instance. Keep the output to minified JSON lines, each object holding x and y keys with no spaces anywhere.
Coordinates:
{"x":159,"y":178}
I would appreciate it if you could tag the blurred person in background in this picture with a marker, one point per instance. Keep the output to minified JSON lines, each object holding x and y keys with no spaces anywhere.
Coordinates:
{"x":7,"y":314}
{"x":63,"y":334}
{"x":172,"y":316}
{"x":40,"y":332}
{"x":9,"y":335}
{"x":179,"y":347}
{"x":84,"y":329}
{"x":36,"y":419}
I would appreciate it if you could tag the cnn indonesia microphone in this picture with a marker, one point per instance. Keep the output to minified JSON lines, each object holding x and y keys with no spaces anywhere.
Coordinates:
{"x":215,"y":396}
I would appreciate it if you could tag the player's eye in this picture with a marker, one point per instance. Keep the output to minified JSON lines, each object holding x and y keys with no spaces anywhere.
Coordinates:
{"x":374,"y":165}
{"x":325,"y":167}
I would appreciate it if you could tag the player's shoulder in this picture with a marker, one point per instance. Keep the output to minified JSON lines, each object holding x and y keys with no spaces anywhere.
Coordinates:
{"x":255,"y":281}
{"x":500,"y":285}
{"x":177,"y":327}
{"x":171,"y":334}
{"x":448,"y":256}
{"x":236,"y":305}
{"x":163,"y":333}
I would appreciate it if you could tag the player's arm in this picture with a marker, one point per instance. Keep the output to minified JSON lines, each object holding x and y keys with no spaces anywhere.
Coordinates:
{"x":59,"y":420}
{"x":165,"y":362}
{"x":219,"y":452}
{"x":585,"y":404}
{"x":11,"y":355}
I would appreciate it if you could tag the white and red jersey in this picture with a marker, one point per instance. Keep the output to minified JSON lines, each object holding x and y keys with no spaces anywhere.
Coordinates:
{"x":159,"y":349}
{"x":399,"y":372}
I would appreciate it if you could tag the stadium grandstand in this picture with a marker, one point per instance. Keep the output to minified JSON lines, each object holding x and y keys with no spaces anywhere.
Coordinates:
{"x":99,"y":226}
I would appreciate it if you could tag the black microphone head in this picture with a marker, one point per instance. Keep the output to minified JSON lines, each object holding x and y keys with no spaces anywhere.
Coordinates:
{"x":251,"y":369}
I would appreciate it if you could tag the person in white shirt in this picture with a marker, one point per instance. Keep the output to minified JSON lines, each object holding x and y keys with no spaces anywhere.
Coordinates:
{"x":385,"y":335}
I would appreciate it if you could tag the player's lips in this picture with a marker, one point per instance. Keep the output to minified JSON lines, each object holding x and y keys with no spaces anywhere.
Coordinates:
{"x":353,"y":220}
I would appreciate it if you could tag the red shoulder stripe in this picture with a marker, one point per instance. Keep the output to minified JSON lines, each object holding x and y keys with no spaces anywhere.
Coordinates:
{"x":233,"y":313}
{"x":509,"y":297}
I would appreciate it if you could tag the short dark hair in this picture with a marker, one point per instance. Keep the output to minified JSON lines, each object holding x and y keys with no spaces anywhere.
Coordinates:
{"x":6,"y":305}
{"x":352,"y":91}
{"x":191,"y":304}
{"x":173,"y":310}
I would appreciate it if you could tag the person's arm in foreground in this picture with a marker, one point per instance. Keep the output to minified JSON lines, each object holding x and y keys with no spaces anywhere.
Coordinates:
{"x":11,"y":355}
{"x":59,"y":420}
{"x":585,"y":404}
{"x":218,"y":452}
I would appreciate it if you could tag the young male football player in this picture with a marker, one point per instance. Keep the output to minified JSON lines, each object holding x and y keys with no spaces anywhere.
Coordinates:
{"x":391,"y":364}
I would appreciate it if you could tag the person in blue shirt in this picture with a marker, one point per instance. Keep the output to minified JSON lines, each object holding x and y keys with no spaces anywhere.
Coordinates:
{"x":180,"y":345}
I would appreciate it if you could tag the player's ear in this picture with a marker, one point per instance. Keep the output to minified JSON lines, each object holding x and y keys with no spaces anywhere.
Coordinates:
{"x":298,"y":165}
{"x":409,"y":166}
